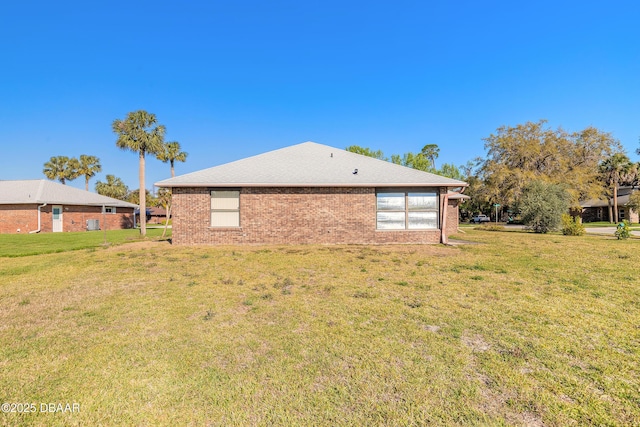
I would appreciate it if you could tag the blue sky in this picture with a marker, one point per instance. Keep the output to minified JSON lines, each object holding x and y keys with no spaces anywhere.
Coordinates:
{"x":230,"y":79}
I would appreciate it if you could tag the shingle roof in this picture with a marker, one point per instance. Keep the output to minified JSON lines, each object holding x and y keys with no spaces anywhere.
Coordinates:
{"x":43,"y":191}
{"x":309,"y":165}
{"x":624,"y":195}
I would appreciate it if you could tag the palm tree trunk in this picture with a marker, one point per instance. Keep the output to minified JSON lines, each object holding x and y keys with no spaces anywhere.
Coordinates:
{"x":86,"y":183}
{"x":173,"y":173}
{"x":615,"y":201}
{"x":143,"y":197}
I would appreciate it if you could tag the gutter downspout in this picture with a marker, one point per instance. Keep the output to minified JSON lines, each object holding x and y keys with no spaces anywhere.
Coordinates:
{"x":38,"y":230}
{"x":444,"y":239}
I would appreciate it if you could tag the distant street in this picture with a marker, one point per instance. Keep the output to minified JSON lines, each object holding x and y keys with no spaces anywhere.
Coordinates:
{"x":589,"y":230}
{"x":608,"y":230}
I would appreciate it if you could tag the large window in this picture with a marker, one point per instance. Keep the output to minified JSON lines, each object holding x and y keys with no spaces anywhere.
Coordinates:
{"x":225,"y":208}
{"x":406,"y":210}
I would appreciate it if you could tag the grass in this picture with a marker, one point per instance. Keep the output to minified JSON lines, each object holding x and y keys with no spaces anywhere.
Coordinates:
{"x":19,"y":245}
{"x":517,"y":329}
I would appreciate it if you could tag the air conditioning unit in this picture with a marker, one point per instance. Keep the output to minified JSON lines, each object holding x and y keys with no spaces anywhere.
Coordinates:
{"x":93,"y":224}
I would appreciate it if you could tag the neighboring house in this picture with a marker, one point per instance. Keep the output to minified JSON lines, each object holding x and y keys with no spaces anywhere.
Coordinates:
{"x":31,"y":206}
{"x":156,"y":215}
{"x":312,"y":193}
{"x":598,"y":210}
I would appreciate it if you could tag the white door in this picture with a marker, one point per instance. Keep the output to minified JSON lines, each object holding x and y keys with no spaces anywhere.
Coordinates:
{"x":56,"y":212}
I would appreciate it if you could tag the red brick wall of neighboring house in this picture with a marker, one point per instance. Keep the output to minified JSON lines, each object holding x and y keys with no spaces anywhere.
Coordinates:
{"x":293,"y":216}
{"x":18,"y":218}
{"x":74,"y":218}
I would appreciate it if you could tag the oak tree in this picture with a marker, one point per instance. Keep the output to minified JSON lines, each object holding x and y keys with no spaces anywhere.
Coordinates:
{"x":531,"y":152}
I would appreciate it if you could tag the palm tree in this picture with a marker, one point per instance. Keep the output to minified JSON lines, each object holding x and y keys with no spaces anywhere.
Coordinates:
{"x":139,"y":132}
{"x":114,"y":187}
{"x":614,"y":170}
{"x":171,"y":154}
{"x":88,"y":166}
{"x":58,"y":168}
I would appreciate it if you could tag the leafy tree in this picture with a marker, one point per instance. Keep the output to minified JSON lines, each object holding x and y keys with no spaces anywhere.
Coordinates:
{"x":431,"y":152}
{"x":171,"y":153}
{"x":451,"y":171}
{"x":542,"y":205}
{"x":615,"y":170}
{"x":425,"y":160}
{"x":366,"y":152}
{"x":134,"y":197}
{"x":533,"y":152}
{"x":416,"y":161}
{"x":88,"y":166}
{"x":61,"y":168}
{"x":140,"y":132}
{"x":113,"y":187}
{"x":634,"y":201}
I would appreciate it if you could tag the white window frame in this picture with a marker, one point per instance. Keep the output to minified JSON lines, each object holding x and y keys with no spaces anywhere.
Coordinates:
{"x":225,"y":208}
{"x":398,"y":209}
{"x":110,"y":209}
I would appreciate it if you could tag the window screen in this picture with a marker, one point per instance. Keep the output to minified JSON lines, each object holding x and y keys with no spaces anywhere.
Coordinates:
{"x":225,"y":208}
{"x":407,"y":210}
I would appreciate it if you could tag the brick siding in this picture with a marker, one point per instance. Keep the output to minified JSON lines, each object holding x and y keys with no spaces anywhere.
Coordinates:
{"x":25,"y":218}
{"x":18,"y":218}
{"x":293,"y":216}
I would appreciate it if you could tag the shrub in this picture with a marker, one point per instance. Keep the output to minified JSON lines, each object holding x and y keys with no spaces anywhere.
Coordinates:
{"x":572,"y":225}
{"x":490,"y":227}
{"x":542,"y":205}
{"x":622,"y":231}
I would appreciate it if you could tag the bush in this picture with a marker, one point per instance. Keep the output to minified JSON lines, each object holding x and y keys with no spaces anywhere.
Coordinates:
{"x":490,"y":227}
{"x":542,"y":205}
{"x":572,"y":225}
{"x":622,"y":231}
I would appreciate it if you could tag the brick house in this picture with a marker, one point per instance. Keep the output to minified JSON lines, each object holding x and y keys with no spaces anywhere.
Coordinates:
{"x":39,"y":205}
{"x":312,"y":193}
{"x":602,"y":210}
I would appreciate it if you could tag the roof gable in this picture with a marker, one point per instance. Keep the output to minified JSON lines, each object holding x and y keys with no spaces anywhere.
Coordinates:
{"x":43,"y":191}
{"x":309,"y":165}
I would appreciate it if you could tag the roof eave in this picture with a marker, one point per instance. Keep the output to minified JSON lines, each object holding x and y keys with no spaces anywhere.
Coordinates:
{"x":310,"y":184}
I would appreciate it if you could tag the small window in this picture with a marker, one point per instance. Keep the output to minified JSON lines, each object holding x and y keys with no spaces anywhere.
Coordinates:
{"x":621,"y":212}
{"x":225,"y":208}
{"x":410,"y":210}
{"x":110,"y":209}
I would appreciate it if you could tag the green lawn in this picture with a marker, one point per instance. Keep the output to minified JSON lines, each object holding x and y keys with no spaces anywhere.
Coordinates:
{"x":514,"y":329}
{"x":17,"y":245}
